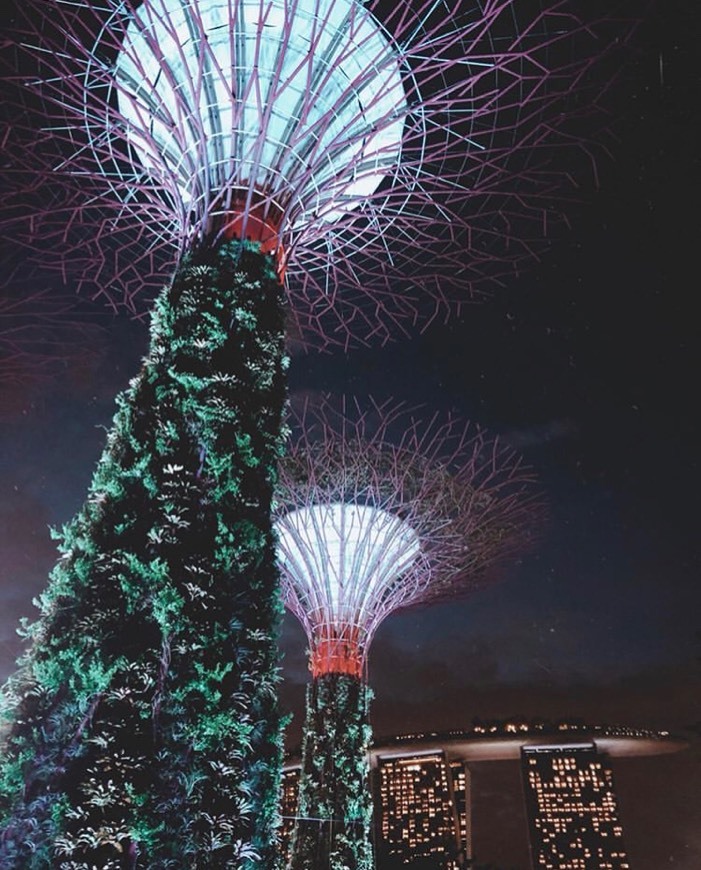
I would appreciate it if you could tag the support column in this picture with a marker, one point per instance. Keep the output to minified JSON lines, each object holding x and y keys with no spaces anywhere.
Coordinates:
{"x":144,"y":730}
{"x":335,"y":803}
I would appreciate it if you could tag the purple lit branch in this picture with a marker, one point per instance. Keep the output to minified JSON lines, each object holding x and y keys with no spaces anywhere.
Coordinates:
{"x":379,"y":510}
{"x":423,"y":178}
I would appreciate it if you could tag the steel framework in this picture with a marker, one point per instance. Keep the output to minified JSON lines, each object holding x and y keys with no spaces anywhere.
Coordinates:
{"x":378,"y":510}
{"x":398,"y":157}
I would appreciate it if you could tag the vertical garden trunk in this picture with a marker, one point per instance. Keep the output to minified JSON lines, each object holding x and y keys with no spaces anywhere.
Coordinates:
{"x":142,"y":730}
{"x":335,"y":803}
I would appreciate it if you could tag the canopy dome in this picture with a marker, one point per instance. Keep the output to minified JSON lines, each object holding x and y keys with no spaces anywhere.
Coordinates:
{"x":290,"y":106}
{"x":377,"y":510}
{"x":342,"y":563}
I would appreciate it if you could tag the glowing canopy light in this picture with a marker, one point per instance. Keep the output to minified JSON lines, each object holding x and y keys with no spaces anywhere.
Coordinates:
{"x":393,"y":154}
{"x":376,"y":516}
{"x":298,"y":104}
{"x":343,"y":561}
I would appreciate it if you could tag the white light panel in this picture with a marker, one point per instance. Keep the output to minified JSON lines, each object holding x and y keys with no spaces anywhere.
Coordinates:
{"x":343,"y":560}
{"x":292,"y":98}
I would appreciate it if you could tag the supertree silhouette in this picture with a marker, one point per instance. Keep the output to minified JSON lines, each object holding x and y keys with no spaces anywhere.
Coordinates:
{"x":380,"y":159}
{"x":379,"y":511}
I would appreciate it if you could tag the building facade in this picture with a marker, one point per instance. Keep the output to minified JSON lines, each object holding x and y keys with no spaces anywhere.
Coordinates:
{"x":423,"y":802}
{"x":421,"y":811}
{"x":422,"y":817}
{"x":572,"y":811}
{"x":288,"y":807}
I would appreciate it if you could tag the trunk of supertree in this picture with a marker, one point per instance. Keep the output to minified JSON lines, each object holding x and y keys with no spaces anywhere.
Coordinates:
{"x":335,"y":802}
{"x":143,"y":725}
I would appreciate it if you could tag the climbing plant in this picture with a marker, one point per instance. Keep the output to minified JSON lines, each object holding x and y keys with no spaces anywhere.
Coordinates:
{"x":335,"y":802}
{"x":141,"y":729}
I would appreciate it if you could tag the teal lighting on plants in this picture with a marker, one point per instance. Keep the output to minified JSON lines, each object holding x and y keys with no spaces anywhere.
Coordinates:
{"x":142,"y":728}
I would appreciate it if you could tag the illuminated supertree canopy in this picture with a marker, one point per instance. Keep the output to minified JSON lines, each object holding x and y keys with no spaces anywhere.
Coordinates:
{"x":378,"y":511}
{"x":397,"y":157}
{"x":365,"y":162}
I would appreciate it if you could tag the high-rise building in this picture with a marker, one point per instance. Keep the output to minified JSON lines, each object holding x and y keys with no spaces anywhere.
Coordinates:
{"x":423,"y":801}
{"x":422,"y":809}
{"x":462,"y":786}
{"x":572,"y":811}
{"x":288,"y":807}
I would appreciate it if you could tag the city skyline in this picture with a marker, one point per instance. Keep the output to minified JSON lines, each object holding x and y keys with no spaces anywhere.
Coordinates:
{"x":589,"y":365}
{"x":423,"y":792}
{"x":165,"y":131}
{"x":378,"y":510}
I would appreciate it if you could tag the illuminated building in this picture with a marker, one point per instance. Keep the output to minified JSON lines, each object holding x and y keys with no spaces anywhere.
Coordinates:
{"x":572,"y":813}
{"x":462,"y":792}
{"x":378,"y":511}
{"x":422,"y":808}
{"x":289,"y":796}
{"x":423,"y":801}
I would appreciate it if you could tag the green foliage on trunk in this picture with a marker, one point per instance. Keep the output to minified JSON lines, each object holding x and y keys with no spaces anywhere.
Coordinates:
{"x":335,"y":802}
{"x":142,"y":730}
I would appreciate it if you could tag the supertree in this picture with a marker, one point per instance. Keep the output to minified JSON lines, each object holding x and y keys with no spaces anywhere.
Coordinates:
{"x":356,"y":143}
{"x":378,"y":511}
{"x":396,"y":157}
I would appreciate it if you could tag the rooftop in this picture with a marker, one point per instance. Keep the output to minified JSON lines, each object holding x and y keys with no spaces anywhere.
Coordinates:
{"x":502,"y":741}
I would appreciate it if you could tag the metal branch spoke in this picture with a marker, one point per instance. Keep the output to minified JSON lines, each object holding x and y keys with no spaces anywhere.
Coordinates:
{"x":381,"y":136}
{"x":378,"y":510}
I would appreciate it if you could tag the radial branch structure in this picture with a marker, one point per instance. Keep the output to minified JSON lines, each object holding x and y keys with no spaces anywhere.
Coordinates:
{"x":396,"y":156}
{"x":388,"y":154}
{"x":378,"y":510}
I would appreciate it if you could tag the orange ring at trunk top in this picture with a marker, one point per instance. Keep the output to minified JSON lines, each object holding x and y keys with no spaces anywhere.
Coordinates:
{"x":259,"y":223}
{"x":339,"y":654}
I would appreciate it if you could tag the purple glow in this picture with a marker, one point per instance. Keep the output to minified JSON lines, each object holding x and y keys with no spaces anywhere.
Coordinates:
{"x":373,"y":518}
{"x":378,"y":235}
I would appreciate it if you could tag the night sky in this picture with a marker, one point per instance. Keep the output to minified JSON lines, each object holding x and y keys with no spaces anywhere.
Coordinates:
{"x":588,"y":365}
